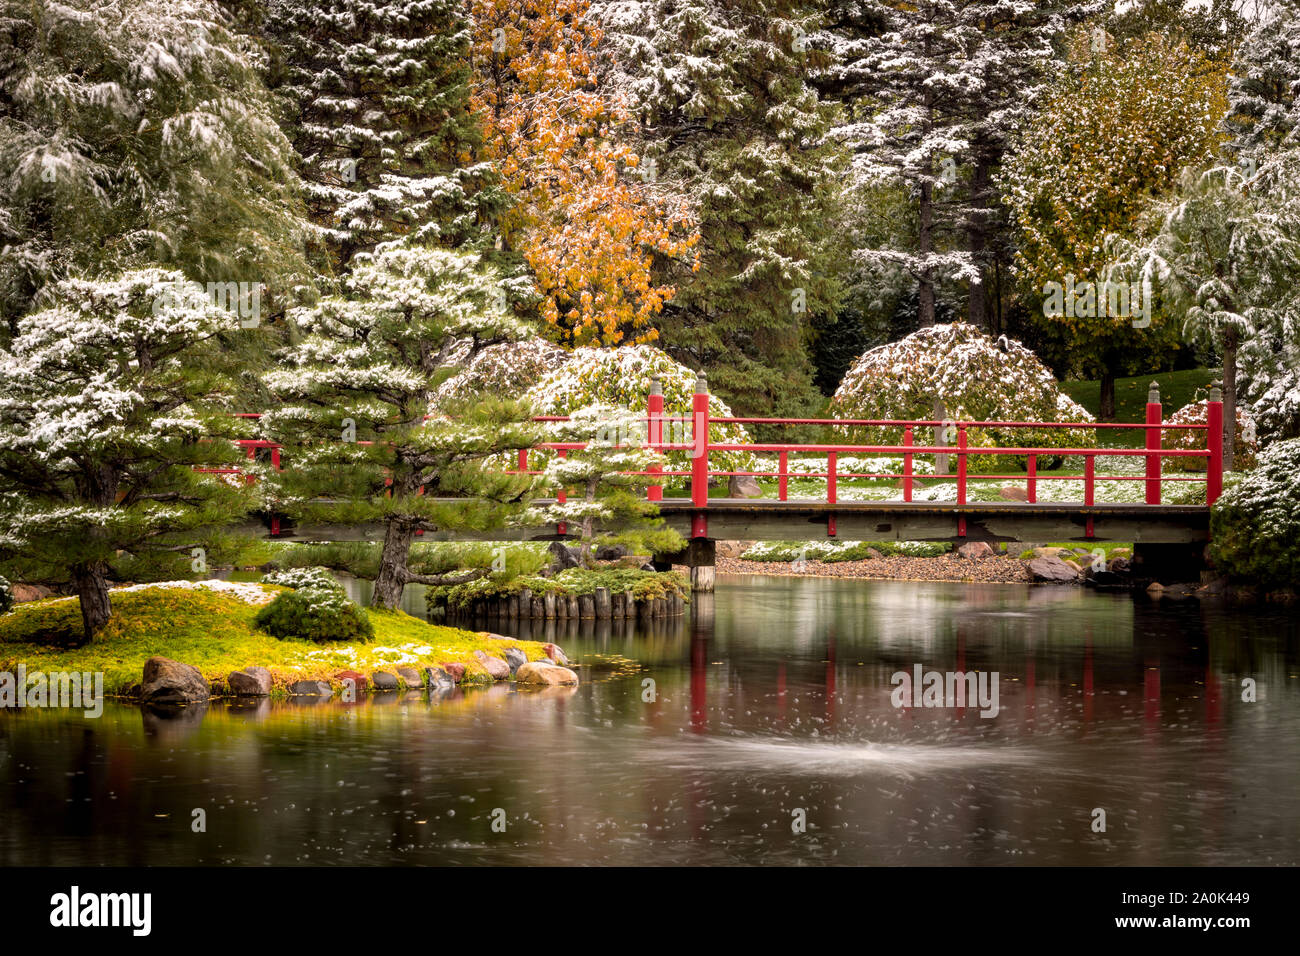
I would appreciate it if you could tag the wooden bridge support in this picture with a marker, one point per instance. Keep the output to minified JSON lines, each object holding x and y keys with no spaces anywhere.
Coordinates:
{"x":700,"y":555}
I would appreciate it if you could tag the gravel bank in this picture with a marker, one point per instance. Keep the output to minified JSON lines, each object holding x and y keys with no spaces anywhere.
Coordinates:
{"x":948,"y":567}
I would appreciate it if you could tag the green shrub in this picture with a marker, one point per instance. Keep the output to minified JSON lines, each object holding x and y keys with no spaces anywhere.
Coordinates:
{"x":1255,"y":524}
{"x":571,"y":582}
{"x":301,"y":579}
{"x":315,"y":614}
{"x":833,"y":551}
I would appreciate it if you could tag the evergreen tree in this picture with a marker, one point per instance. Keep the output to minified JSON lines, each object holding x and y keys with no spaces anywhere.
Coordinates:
{"x":109,"y":401}
{"x":138,"y":132}
{"x":377,"y":103}
{"x":1264,"y":84}
{"x":932,"y":91}
{"x":360,"y":445}
{"x":731,"y":121}
{"x":608,"y":473}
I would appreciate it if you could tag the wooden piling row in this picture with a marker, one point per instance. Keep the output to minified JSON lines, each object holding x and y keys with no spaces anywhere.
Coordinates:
{"x":600,"y":606}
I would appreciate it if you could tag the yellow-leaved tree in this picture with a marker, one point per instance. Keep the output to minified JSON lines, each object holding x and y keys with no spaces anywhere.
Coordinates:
{"x":587,"y":217}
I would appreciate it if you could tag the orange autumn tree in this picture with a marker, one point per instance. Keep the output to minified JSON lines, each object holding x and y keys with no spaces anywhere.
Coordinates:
{"x":587,"y":218}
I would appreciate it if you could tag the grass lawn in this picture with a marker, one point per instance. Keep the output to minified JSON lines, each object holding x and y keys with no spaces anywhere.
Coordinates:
{"x":213,"y":630}
{"x":1176,"y":390}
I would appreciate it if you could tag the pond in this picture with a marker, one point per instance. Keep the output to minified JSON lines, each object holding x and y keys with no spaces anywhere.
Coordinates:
{"x":762,"y":728}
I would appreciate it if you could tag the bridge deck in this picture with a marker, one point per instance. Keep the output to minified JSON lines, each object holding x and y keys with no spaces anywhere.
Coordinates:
{"x":797,"y":520}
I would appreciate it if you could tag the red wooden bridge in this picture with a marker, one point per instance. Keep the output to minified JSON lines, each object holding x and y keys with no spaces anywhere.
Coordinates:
{"x":704,"y":518}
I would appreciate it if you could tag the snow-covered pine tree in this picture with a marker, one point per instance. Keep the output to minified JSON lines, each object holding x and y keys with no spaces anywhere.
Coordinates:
{"x":1226,"y":255}
{"x":378,"y":105}
{"x":608,"y":477}
{"x":356,"y":396}
{"x":109,"y":400}
{"x":730,"y":121}
{"x":931,"y":91}
{"x":1264,"y":83}
{"x":132,"y":133}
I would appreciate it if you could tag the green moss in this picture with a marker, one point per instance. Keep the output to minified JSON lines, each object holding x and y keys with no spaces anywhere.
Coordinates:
{"x":214,"y":631}
{"x":572,"y":582}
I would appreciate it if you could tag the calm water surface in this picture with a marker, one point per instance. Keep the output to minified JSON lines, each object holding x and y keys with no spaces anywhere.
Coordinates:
{"x":769,"y":705}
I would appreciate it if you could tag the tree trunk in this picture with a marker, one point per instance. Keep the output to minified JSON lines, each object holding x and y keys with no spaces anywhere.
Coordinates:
{"x":91,"y":582}
{"x":393,"y":574}
{"x":1107,"y":396}
{"x":1229,"y":437}
{"x":977,"y":233}
{"x":925,"y":293}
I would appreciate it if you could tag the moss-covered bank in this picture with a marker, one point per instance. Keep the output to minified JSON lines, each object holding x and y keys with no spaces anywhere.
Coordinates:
{"x":210,"y":625}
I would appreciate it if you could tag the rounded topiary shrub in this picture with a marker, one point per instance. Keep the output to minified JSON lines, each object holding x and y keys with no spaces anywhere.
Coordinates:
{"x":6,"y":595}
{"x":506,"y":368}
{"x":620,"y":378}
{"x":300,"y":578}
{"x":1255,"y":524}
{"x":315,"y":614}
{"x":1244,"y":447}
{"x":977,"y":377}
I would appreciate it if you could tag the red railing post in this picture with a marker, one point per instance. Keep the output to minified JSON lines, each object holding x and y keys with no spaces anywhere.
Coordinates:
{"x":783,"y":479}
{"x":907,"y":464}
{"x":961,"y":464}
{"x":654,"y":406}
{"x":250,"y":452}
{"x":830,"y":477}
{"x":1154,"y":437}
{"x":561,"y":496}
{"x":523,"y":460}
{"x":700,"y":438}
{"x":1089,"y":479}
{"x":1214,"y":441}
{"x":1031,"y":493}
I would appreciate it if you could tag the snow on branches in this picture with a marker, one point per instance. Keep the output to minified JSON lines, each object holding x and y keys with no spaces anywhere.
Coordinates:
{"x":977,"y":379}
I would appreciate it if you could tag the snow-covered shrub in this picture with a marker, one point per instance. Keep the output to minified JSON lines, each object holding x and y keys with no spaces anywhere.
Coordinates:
{"x":506,"y":368}
{"x":978,"y":378}
{"x":6,"y":595}
{"x":835,"y":551}
{"x":1255,"y":524}
{"x":1245,"y":446}
{"x":315,"y":614}
{"x":304,"y":579}
{"x":620,"y":377}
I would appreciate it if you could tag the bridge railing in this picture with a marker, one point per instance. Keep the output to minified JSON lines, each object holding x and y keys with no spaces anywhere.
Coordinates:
{"x":701,"y":446}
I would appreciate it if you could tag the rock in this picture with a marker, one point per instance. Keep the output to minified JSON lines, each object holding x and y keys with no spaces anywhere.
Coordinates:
{"x":1106,"y":579}
{"x":610,"y":552}
{"x":411,"y":676}
{"x":515,"y":658}
{"x":439,"y":679}
{"x":495,"y":637}
{"x":497,"y":668}
{"x":1120,"y":565}
{"x":384,"y":680}
{"x":1013,"y":493}
{"x":554,"y":653}
{"x":632,"y":561}
{"x":545,"y":675}
{"x":1074,"y":564}
{"x":871,"y":555}
{"x":310,"y":688}
{"x":1179,"y":592}
{"x":975,"y":550}
{"x":457,"y":671}
{"x":169,"y":682}
{"x":1052,"y":570}
{"x":563,"y":556}
{"x":743,"y":486}
{"x":30,"y":592}
{"x":250,"y":682}
{"x":733,"y":549}
{"x":359,"y":684}
{"x":1155,"y":587}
